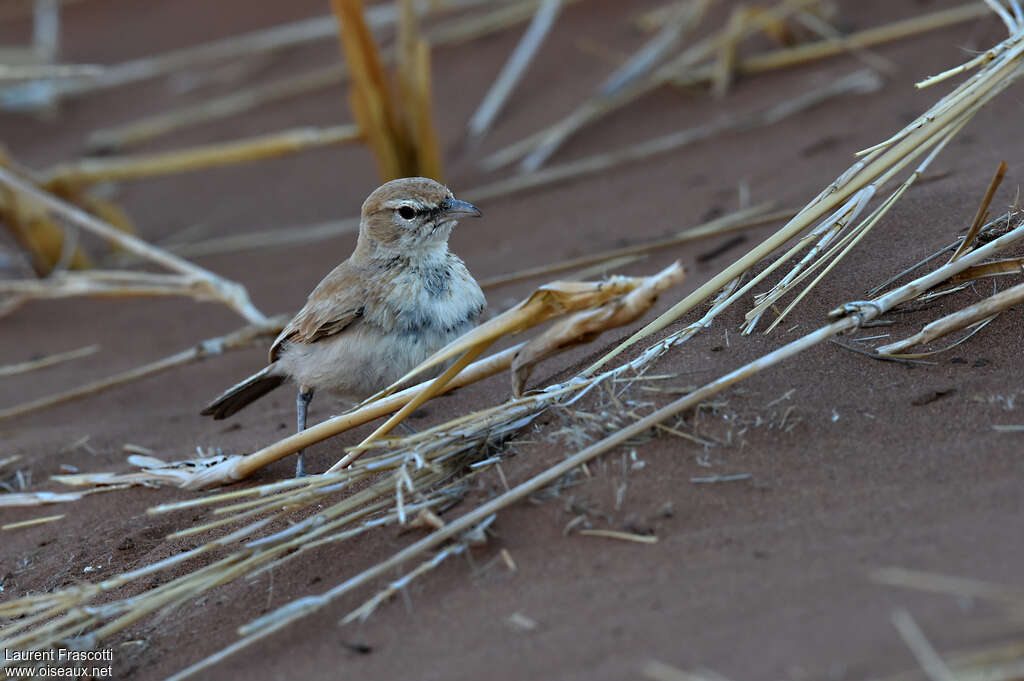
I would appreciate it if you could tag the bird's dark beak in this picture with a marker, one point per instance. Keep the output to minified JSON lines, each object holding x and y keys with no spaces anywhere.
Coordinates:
{"x":460,"y":209}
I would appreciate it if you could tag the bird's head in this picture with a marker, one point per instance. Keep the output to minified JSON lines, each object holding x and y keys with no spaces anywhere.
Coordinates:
{"x":411,"y":214}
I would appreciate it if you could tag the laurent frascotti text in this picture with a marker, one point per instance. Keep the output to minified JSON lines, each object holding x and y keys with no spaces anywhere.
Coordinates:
{"x":61,"y":655}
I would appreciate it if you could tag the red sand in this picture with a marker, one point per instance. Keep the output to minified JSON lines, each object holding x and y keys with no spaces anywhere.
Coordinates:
{"x":760,"y":579}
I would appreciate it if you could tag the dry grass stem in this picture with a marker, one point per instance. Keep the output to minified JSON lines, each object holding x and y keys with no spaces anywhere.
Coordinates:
{"x":621,"y":536}
{"x":102,"y":284}
{"x":990,"y":269}
{"x":547,"y":302}
{"x":230,"y":293}
{"x":946,"y":584}
{"x":682,"y":18}
{"x":433,"y":388}
{"x":91,"y":171}
{"x":48,"y":361}
{"x":26,"y":499}
{"x":513,"y":70}
{"x":659,"y":671}
{"x":16,"y":72}
{"x":30,"y":523}
{"x":933,"y":665}
{"x":982,"y":215}
{"x":116,"y":139}
{"x":209,"y":347}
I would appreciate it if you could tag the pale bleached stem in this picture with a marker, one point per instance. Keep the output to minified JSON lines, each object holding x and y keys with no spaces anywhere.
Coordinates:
{"x":958,"y":320}
{"x":514,"y":68}
{"x":48,"y":361}
{"x":998,"y":8}
{"x":933,"y":665}
{"x":142,"y":166}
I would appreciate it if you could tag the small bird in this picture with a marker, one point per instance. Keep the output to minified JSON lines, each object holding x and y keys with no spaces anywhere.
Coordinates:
{"x":398,"y":298}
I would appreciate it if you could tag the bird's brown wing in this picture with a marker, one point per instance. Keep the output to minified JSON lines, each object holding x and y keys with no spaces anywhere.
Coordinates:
{"x":334,"y":305}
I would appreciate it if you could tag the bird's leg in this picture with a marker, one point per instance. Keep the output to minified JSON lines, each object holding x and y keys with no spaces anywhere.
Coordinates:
{"x":301,"y":404}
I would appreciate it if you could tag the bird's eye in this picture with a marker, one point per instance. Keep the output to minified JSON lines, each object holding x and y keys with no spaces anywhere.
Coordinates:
{"x":407,"y":212}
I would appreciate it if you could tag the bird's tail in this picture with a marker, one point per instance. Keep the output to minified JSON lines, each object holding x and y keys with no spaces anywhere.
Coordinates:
{"x":238,"y":396}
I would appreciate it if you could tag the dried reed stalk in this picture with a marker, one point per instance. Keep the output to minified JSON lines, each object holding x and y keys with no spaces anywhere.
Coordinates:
{"x":115,"y":139}
{"x":682,"y":17}
{"x":230,"y":293}
{"x":30,"y":523}
{"x":985,"y":309}
{"x":295,"y":140}
{"x":932,"y":664}
{"x":103,"y":284}
{"x":16,"y":72}
{"x":48,"y":361}
{"x":546,"y":302}
{"x":213,"y":346}
{"x":991,"y":269}
{"x":514,"y":68}
{"x":945,"y":584}
{"x":30,"y":499}
{"x":982,"y":214}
